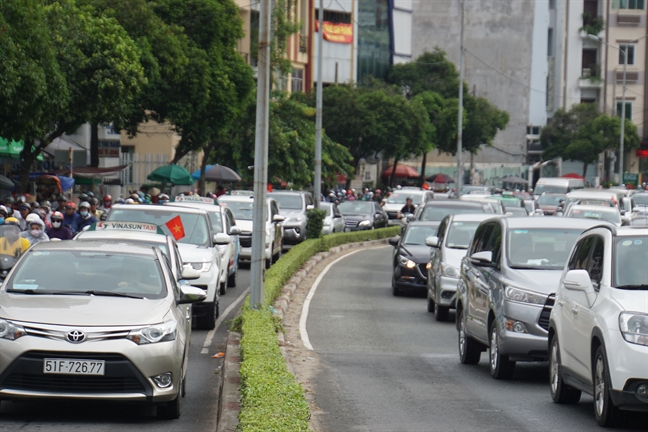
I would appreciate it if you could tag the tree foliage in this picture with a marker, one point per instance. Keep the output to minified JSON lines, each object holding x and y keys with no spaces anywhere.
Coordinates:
{"x":582,"y":133}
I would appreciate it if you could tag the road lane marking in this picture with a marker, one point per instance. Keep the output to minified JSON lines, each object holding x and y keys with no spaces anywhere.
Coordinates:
{"x":219,"y":321}
{"x":309,"y":297}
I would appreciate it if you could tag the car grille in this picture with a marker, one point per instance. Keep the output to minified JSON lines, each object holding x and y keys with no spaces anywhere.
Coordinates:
{"x":245,"y":241}
{"x":350,"y":224}
{"x":121,"y":376}
{"x":423,"y":270}
{"x":543,"y":321}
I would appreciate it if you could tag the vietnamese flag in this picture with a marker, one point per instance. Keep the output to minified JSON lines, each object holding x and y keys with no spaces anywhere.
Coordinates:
{"x":176,"y":228}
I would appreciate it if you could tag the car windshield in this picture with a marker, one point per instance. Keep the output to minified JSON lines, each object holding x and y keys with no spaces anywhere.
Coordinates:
{"x":416,"y":235}
{"x":550,"y":199}
{"x":517,"y":211}
{"x":242,"y":209}
{"x":400,"y":198}
{"x":216,"y":221}
{"x":326,"y":207}
{"x":356,"y":207}
{"x":194,"y":225}
{"x":641,"y":198}
{"x":540,"y":189}
{"x":606,"y":215}
{"x":288,"y":201}
{"x":630,"y":258}
{"x":437,"y":213}
{"x":511,"y":202}
{"x":540,"y":248}
{"x":126,"y":239}
{"x":460,"y":234}
{"x":88,"y":272}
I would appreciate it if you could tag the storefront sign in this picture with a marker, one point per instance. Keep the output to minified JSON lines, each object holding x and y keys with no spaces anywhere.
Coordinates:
{"x":109,"y":148}
{"x":631,"y":179}
{"x":337,"y":32}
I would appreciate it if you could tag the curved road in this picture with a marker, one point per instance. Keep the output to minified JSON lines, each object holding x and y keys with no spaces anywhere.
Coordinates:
{"x":387,"y":365}
{"x":199,"y":409}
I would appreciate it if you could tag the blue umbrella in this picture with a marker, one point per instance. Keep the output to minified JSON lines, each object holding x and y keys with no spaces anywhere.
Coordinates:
{"x":196,"y":174}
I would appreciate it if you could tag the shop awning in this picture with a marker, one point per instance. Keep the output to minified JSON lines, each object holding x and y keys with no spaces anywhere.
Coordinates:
{"x":94,"y":172}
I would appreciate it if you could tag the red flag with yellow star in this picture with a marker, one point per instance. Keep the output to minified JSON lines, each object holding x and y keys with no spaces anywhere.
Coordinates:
{"x":176,"y":228}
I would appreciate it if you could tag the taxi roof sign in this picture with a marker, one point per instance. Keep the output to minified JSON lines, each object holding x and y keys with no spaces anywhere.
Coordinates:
{"x":126,"y":226}
{"x":194,"y":199}
{"x":242,"y":193}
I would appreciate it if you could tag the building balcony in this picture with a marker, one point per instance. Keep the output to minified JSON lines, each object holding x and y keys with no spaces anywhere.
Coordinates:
{"x":591,"y":78}
{"x":592,"y":25}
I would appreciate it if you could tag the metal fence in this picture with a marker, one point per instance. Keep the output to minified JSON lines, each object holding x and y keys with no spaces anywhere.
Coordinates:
{"x":142,"y":164}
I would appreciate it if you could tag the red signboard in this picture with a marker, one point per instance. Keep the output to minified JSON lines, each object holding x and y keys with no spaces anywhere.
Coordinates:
{"x":642,"y":153}
{"x":337,"y":32}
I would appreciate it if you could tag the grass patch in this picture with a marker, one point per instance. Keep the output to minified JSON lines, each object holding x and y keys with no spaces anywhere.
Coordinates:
{"x":271,"y":399}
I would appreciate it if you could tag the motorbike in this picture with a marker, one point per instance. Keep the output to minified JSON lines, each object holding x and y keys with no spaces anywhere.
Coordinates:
{"x":8,"y":255}
{"x":6,"y":264}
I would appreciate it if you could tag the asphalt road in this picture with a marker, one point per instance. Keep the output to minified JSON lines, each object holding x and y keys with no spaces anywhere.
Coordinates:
{"x":199,"y":409}
{"x":387,"y":365}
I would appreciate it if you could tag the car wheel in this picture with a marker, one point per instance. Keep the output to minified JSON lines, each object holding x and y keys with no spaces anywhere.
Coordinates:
{"x":560,"y":392}
{"x":605,"y":412}
{"x":268,"y":262}
{"x":441,"y":312}
{"x":500,"y":365}
{"x":170,"y":410}
{"x":430,"y":303}
{"x":231,"y":279}
{"x":208,"y":321}
{"x":469,"y":349}
{"x":395,"y":291}
{"x":278,"y":255}
{"x":223,"y":288}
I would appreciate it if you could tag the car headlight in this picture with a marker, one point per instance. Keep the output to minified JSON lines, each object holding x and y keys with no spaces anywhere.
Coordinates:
{"x":201,"y":267}
{"x":327,"y":223}
{"x":449,"y":271}
{"x":524,"y":296}
{"x":406,"y":262}
{"x":153,"y":334}
{"x":295,"y":219}
{"x":9,"y":330}
{"x":364,"y":223}
{"x":633,"y":326}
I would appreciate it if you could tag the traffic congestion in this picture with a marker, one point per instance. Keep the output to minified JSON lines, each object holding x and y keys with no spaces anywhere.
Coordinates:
{"x":558,"y":278}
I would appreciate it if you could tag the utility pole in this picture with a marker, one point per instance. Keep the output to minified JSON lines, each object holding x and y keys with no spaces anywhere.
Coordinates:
{"x":623,"y":107}
{"x":318,"y":113}
{"x":259,"y":209}
{"x":459,"y":178}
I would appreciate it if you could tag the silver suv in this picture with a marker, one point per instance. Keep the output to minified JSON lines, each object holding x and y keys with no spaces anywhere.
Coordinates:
{"x":506,"y":288}
{"x":293,"y":206}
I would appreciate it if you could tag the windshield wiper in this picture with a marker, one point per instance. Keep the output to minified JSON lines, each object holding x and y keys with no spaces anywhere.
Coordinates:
{"x":43,"y":292}
{"x":111,"y":294}
{"x":632,"y":287}
{"x":458,"y":247}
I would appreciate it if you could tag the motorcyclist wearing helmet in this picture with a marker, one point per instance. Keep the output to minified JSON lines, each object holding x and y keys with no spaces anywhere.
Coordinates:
{"x":106,"y":203}
{"x":58,"y":231}
{"x":23,"y":211}
{"x":11,"y":243}
{"x":60,"y":204}
{"x":94,"y":204}
{"x":4,"y":213}
{"x":71,"y":218}
{"x":47,"y":206}
{"x":83,"y":197}
{"x":407,"y":208}
{"x":163,"y":199}
{"x":36,"y":232}
{"x":87,"y":218}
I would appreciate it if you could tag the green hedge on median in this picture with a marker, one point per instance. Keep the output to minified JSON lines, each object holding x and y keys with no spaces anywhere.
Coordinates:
{"x":271,"y":399}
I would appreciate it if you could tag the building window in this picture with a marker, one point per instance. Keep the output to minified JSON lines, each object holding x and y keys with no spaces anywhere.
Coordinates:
{"x":628,"y":4}
{"x":297,"y":80}
{"x":550,"y":43}
{"x":335,"y":16}
{"x":628,"y":109}
{"x":630,"y":49}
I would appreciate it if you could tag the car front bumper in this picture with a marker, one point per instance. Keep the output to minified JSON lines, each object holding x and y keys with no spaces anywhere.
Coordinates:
{"x":447,"y":295}
{"x":530,"y":345}
{"x":411,"y":278}
{"x":128,"y":375}
{"x":294,"y":233}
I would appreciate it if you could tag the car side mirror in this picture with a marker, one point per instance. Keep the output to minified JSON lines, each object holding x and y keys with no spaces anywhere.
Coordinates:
{"x":579,"y":280}
{"x":191,"y":294}
{"x":278,"y":218}
{"x":394,"y":241}
{"x":222,"y":239}
{"x":337,"y":216}
{"x":234,"y":230}
{"x":310,"y":207}
{"x":410,"y":217}
{"x":482,"y":259}
{"x":623,"y":212}
{"x":432,"y":241}
{"x":190,"y":273}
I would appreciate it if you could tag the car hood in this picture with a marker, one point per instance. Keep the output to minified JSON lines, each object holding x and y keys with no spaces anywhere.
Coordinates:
{"x":418,"y":253}
{"x":392,"y":207}
{"x":82,"y":310}
{"x":244,"y":225}
{"x":453,"y":256}
{"x":548,"y":207}
{"x":192,"y":253}
{"x":291,"y":213}
{"x":541,"y":281}
{"x":357,"y":217}
{"x":630,"y":300}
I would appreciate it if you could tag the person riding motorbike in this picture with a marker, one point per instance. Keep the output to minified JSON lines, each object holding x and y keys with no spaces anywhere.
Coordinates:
{"x":24,"y":210}
{"x":87,"y":218}
{"x":4,"y":213}
{"x":407,"y":208}
{"x":58,"y":231}
{"x":71,"y":218}
{"x":11,"y":243}
{"x":106,"y":203}
{"x":36,"y":232}
{"x":94,"y":210}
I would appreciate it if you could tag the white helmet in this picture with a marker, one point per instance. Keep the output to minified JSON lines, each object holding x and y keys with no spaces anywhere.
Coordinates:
{"x":31,"y":217}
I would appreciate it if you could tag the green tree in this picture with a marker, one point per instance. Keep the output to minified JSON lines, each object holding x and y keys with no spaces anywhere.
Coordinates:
{"x":582,"y":133}
{"x":431,"y":71}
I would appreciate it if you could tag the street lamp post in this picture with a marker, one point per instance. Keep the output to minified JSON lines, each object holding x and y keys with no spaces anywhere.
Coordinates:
{"x":459,"y":179}
{"x":623,"y":97}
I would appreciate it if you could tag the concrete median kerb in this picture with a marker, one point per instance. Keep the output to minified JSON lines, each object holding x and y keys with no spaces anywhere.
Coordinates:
{"x":230,"y":400}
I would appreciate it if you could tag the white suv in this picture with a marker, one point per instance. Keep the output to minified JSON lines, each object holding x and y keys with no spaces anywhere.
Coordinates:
{"x":598,"y":329}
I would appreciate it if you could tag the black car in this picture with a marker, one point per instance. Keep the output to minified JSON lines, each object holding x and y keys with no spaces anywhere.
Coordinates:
{"x":362,"y":215}
{"x":411,"y":257}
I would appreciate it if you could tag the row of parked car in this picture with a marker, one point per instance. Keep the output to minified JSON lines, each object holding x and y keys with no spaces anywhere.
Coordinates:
{"x":570,"y":291}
